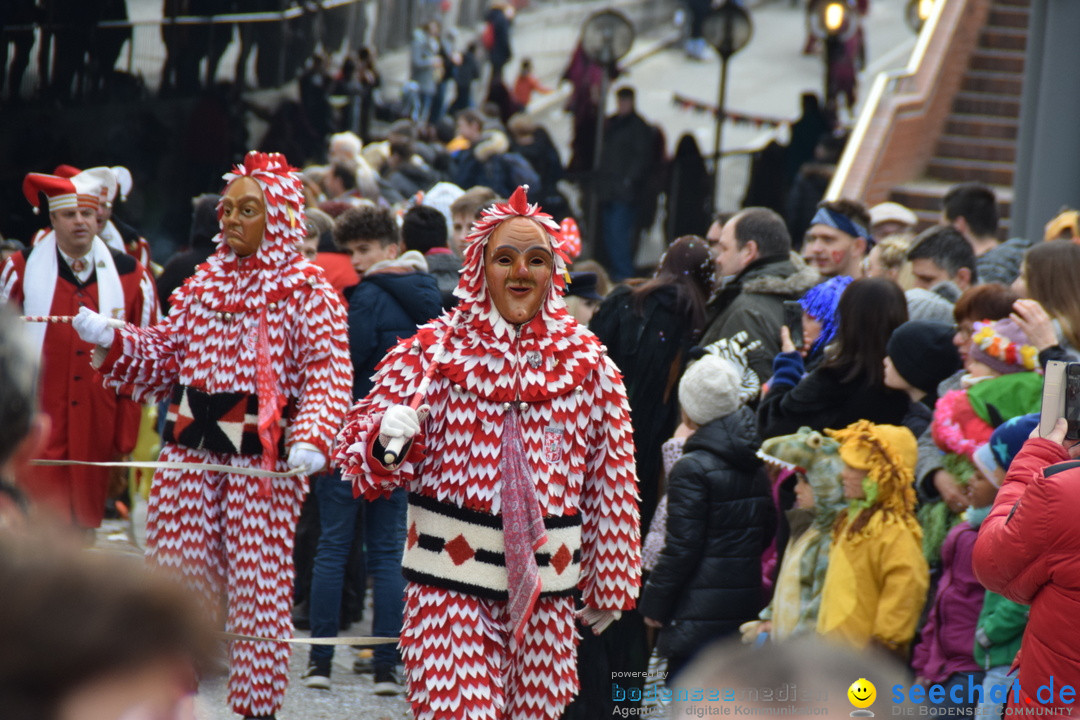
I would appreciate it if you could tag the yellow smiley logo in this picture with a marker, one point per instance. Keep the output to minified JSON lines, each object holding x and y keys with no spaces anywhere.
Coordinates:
{"x":862,"y":693}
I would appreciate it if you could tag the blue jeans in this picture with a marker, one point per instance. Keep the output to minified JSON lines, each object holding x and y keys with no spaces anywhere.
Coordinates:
{"x":617,"y":228}
{"x":995,"y":676}
{"x":383,"y":524}
{"x":963,"y":709}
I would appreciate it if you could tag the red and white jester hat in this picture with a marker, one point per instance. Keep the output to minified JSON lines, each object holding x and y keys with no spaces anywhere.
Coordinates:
{"x":117,"y":177}
{"x":84,"y":190}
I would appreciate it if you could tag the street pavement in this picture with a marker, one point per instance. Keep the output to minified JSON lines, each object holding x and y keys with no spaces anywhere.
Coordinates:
{"x":351,"y":697}
{"x":765,"y":79}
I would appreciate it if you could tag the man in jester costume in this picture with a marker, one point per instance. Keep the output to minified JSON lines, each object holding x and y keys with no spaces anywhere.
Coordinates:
{"x":520,"y":472}
{"x":254,"y":358}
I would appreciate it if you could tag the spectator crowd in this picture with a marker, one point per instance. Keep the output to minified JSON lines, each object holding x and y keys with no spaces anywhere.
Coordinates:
{"x":835,"y":412}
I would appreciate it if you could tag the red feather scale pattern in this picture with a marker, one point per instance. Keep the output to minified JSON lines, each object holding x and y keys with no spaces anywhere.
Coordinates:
{"x":271,"y":315}
{"x":461,"y":661}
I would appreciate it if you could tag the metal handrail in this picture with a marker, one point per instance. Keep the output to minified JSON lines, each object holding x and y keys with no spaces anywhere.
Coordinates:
{"x":883,"y":81}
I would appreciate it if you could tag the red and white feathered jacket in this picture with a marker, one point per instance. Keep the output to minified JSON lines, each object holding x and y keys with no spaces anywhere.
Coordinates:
{"x":272,"y":311}
{"x":575,"y":422}
{"x":1028,"y":550}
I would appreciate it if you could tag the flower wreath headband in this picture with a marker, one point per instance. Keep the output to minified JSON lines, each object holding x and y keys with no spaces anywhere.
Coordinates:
{"x":1001,"y":348}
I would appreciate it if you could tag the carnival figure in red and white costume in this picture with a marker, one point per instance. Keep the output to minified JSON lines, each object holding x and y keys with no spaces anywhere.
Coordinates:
{"x":254,"y":358}
{"x":521,"y":481}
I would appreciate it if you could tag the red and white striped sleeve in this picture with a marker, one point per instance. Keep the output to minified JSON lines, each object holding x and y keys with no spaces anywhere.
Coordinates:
{"x":396,"y":378}
{"x":322,"y":352}
{"x":11,"y":281}
{"x":144,"y":362}
{"x":610,"y":519}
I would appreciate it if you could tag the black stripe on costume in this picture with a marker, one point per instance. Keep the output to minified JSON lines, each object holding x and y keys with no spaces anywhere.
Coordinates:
{"x":435,"y":544}
{"x":1060,"y":467}
{"x":476,"y":517}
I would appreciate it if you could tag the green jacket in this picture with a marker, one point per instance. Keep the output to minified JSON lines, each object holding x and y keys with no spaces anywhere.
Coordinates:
{"x":999,"y":631}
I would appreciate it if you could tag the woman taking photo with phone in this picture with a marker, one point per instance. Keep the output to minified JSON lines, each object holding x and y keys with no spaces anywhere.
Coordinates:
{"x":848,"y":385}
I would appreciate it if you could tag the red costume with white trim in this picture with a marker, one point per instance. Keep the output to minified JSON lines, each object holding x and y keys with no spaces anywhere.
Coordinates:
{"x":89,"y":422}
{"x":461,"y":658}
{"x":252,"y":346}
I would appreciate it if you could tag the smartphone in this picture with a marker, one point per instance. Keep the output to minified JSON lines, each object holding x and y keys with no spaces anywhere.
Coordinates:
{"x":793,"y":319}
{"x":1072,"y":401}
{"x":1061,"y":398}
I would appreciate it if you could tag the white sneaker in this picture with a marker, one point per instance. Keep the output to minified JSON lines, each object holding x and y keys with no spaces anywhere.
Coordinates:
{"x":316,"y":677}
{"x":387,"y":683}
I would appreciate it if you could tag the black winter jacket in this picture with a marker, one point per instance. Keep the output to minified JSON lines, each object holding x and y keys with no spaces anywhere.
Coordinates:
{"x":384,"y":308}
{"x":823,"y":399}
{"x":721,"y":517}
{"x":650,"y":349}
{"x":754,"y":302}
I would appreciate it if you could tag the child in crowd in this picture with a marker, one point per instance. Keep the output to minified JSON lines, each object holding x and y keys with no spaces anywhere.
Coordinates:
{"x":820,"y":319}
{"x":875,"y":585}
{"x":820,"y":322}
{"x":1001,"y":623}
{"x":1000,"y":383}
{"x":707,"y":580}
{"x":944,"y":653}
{"x":921,"y":354}
{"x":815,"y":461}
{"x":735,"y":350}
{"x":526,"y":84}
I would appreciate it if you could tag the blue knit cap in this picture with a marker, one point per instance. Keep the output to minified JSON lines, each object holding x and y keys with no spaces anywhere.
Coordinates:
{"x":1009,"y":437}
{"x":820,"y":302}
{"x":1003,"y":446}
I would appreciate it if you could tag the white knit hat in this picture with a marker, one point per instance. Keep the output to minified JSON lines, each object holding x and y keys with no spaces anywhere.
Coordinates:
{"x":709,"y":389}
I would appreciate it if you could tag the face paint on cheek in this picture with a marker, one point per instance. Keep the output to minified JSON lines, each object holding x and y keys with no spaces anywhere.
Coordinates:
{"x":837,"y":257}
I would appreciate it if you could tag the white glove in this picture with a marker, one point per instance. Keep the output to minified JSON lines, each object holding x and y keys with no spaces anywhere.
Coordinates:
{"x":93,"y":327}
{"x":306,"y":458}
{"x":401,"y":421}
{"x":599,"y":620}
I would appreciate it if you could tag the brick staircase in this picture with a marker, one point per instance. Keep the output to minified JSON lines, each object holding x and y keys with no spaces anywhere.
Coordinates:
{"x":979,"y":139}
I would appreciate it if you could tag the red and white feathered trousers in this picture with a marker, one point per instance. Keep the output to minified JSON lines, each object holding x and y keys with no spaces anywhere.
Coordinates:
{"x":231,"y":543}
{"x":461,"y":663}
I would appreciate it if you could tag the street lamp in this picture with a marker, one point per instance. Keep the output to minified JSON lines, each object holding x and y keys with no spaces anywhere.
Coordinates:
{"x":727,"y":28}
{"x":833,"y":21}
{"x":916,"y":12}
{"x":606,"y":38}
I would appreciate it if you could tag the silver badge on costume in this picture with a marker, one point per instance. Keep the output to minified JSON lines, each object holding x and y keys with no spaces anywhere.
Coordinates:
{"x":534,"y":358}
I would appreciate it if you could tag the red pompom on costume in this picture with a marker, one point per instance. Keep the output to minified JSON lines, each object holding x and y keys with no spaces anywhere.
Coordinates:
{"x":492,"y":561}
{"x":254,"y":357}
